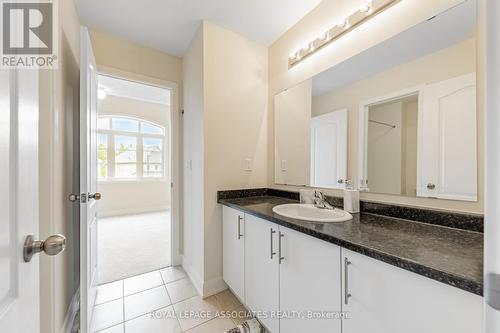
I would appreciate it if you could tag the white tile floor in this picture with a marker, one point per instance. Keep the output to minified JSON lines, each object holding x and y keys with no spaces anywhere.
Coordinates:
{"x":162,"y":301}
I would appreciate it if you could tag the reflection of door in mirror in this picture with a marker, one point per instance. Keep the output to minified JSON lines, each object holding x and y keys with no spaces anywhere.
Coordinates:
{"x":329,"y":149}
{"x":449,"y":140}
{"x":392,"y":146}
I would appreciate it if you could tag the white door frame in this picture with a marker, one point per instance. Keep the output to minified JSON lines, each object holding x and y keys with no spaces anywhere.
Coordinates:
{"x":364,"y":107}
{"x":176,"y":258}
{"x":490,"y":11}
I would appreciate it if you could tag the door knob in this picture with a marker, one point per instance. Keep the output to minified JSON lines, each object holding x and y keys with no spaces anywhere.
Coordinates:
{"x":431,"y":186}
{"x":95,"y":196}
{"x":53,"y":245}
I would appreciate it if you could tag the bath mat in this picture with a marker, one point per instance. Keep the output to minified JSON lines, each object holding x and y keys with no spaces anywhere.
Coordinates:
{"x":249,"y":326}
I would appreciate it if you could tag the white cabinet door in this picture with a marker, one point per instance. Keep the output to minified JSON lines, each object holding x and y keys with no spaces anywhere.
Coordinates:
{"x":262,"y":270}
{"x":329,"y":149}
{"x":310,"y":280}
{"x":448,"y":140}
{"x":233,"y":244}
{"x":387,"y":299}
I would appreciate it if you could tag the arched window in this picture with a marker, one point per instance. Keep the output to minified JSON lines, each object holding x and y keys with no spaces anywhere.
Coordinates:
{"x":130,"y":148}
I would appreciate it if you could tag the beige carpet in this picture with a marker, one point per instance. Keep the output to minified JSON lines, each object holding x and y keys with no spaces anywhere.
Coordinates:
{"x":132,"y":244}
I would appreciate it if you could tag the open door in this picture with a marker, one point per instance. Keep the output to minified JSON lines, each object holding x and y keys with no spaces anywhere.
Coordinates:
{"x":19,"y":277}
{"x":88,"y":181}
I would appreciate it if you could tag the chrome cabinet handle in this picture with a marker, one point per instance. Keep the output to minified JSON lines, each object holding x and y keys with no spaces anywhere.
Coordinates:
{"x":281,"y":258}
{"x":347,"y":295}
{"x":239,"y":227}
{"x":272,"y":252}
{"x":431,"y":186}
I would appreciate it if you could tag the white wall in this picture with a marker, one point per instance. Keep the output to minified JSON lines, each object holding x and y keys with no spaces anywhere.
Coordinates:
{"x":386,"y":25}
{"x":131,"y":197}
{"x":225,"y":123}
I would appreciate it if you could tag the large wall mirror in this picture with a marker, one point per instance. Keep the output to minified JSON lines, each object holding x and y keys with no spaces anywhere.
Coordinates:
{"x":399,"y":118}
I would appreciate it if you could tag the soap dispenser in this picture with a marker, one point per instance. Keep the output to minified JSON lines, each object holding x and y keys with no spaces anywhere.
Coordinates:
{"x":351,"y":198}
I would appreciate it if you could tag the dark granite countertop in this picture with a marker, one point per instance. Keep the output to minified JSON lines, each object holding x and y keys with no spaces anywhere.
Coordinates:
{"x":451,"y":256}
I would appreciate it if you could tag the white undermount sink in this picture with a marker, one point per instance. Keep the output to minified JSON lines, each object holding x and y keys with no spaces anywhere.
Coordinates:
{"x":308,"y":212}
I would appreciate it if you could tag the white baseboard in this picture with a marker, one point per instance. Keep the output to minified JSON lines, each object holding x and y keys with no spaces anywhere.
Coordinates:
{"x":130,"y":211}
{"x":73,"y":308}
{"x":193,"y":276}
{"x":213,"y":286}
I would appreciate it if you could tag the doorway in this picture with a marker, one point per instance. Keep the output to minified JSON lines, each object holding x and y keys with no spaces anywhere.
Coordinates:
{"x":134,"y":178}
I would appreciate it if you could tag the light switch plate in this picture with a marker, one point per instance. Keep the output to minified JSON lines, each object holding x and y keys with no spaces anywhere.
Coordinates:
{"x":283,"y":165}
{"x":248,"y":164}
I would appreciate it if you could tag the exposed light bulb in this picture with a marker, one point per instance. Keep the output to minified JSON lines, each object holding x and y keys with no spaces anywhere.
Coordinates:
{"x":101,"y":94}
{"x":366,"y":8}
{"x":344,"y":24}
{"x":324,"y":36}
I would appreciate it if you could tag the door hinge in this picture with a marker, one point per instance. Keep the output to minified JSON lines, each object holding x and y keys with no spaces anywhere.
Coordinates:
{"x":492,"y":290}
{"x":81,"y":198}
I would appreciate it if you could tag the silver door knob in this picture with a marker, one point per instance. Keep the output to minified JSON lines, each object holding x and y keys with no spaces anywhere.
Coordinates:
{"x":431,"y":186}
{"x":53,"y":245}
{"x":95,"y":196}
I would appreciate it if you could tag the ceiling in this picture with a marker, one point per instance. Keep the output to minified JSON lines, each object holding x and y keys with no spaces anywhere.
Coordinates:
{"x":442,"y":31}
{"x":170,"y":25}
{"x":129,"y":89}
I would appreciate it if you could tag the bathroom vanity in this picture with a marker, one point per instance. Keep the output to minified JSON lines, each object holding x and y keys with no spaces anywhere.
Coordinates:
{"x":398,"y":122}
{"x":385,"y":274}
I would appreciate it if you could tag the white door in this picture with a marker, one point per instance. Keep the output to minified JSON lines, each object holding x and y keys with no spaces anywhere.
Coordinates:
{"x":262,"y":270}
{"x":310,"y":280}
{"x":88,"y":181}
{"x":492,"y":206}
{"x":233,"y":245}
{"x":448,"y":140}
{"x":329,"y":149}
{"x":388,"y":299}
{"x":19,"y":280}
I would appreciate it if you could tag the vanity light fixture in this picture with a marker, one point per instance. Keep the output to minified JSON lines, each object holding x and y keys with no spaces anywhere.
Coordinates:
{"x":366,"y":12}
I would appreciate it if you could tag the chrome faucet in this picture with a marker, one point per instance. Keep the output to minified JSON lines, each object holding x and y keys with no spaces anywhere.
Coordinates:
{"x":319,"y":200}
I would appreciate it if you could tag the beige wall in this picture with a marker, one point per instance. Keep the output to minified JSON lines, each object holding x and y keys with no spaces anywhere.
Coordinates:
{"x":225,"y":123}
{"x":292,"y":117}
{"x":235,"y":121}
{"x":59,"y":105}
{"x":193,"y":182}
{"x":130,"y":197}
{"x":384,"y":162}
{"x":112,"y":52}
{"x":386,"y":25}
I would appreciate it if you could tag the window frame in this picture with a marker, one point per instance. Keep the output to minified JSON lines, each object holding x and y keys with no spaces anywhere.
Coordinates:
{"x":110,"y":134}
